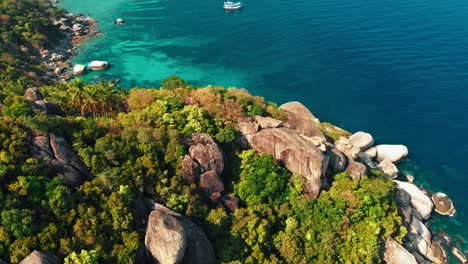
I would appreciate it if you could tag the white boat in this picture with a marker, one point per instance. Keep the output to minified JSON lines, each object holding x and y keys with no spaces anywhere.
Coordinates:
{"x":228,"y":5}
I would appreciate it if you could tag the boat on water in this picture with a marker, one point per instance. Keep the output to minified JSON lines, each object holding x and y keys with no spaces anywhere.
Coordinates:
{"x":228,"y":5}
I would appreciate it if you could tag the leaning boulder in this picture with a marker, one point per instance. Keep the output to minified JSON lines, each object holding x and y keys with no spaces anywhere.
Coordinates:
{"x":98,"y":65}
{"x":388,"y":168}
{"x":394,"y":153}
{"x":443,"y":204}
{"x":395,"y":253}
{"x":39,"y":257}
{"x":297,"y":154}
{"x":171,"y":238}
{"x":421,"y":202}
{"x":301,"y":120}
{"x":361,"y":140}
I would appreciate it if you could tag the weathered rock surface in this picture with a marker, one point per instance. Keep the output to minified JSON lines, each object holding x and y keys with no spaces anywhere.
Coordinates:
{"x":388,"y":168}
{"x":50,"y":108}
{"x":230,"y":202}
{"x":58,"y":154}
{"x":356,"y":169}
{"x":267,"y":122}
{"x":443,"y":204}
{"x":460,"y":256}
{"x":33,"y":94}
{"x":248,"y":128}
{"x":394,"y":153}
{"x":190,"y":168}
{"x":211,"y":183}
{"x":98,"y":65}
{"x":39,"y":257}
{"x":418,"y":228}
{"x":79,"y":69}
{"x":366,"y":160}
{"x":371,"y":152}
{"x":345,"y":146}
{"x":361,"y":140}
{"x":297,"y":154}
{"x":396,"y":254}
{"x":206,"y":152}
{"x":171,"y":238}
{"x":338,"y":160}
{"x":421,"y":202}
{"x":301,"y":120}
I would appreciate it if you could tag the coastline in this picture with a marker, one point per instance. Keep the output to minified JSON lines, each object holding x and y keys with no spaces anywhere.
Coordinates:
{"x":69,"y":51}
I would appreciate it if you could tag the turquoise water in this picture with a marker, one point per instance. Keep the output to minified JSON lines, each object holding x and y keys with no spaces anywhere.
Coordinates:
{"x":397,"y":69}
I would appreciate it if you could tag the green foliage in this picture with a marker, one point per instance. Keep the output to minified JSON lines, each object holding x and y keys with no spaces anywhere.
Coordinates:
{"x":17,"y":109}
{"x":173,"y":82}
{"x":226,"y":135}
{"x":84,"y":257}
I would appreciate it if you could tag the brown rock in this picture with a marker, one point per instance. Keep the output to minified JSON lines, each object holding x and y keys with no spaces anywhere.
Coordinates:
{"x":172,"y":238}
{"x":64,"y":153}
{"x":231,"y":202}
{"x":356,"y":169}
{"x":33,"y":94}
{"x":443,"y":204}
{"x":248,"y":128}
{"x":206,"y":152}
{"x":39,"y":257}
{"x":388,"y":168}
{"x":338,"y":160}
{"x":301,"y":120}
{"x":267,"y":122}
{"x":190,"y":169}
{"x":297,"y":154}
{"x":211,"y":183}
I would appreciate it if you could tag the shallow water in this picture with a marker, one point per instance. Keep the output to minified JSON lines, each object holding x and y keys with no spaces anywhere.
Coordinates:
{"x":396,"y":69}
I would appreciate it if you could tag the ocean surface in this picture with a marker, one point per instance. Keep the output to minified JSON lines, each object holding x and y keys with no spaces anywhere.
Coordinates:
{"x":396,"y":69}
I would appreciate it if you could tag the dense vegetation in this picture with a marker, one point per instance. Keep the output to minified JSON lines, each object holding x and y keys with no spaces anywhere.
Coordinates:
{"x":133,"y":142}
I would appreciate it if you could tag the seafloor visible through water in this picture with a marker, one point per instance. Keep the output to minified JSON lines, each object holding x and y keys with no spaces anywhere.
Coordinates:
{"x":398,"y":69}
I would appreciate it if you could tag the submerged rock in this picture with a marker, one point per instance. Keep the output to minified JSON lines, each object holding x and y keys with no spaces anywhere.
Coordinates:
{"x":443,"y":204}
{"x":460,"y":256}
{"x":98,"y":65}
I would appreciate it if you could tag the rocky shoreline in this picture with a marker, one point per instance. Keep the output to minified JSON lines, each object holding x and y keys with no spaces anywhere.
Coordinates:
{"x":77,"y":29}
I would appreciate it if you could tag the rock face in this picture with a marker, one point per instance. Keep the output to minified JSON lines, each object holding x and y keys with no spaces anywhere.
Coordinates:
{"x":38,"y":257}
{"x":388,"y":168}
{"x":394,"y":153}
{"x":58,"y":154}
{"x":33,"y":94}
{"x":98,"y":65}
{"x":204,"y":164}
{"x":297,"y":154}
{"x":361,"y":140}
{"x":338,"y":160}
{"x":171,"y":238}
{"x":443,"y":204}
{"x":421,"y":202}
{"x":248,"y":128}
{"x":301,"y":120}
{"x":396,"y":254}
{"x":79,"y":69}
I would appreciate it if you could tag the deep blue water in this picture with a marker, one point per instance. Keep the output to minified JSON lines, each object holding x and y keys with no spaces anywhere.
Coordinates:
{"x":396,"y":69}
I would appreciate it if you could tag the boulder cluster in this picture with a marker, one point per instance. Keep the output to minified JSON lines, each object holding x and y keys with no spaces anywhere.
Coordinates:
{"x":38,"y":102}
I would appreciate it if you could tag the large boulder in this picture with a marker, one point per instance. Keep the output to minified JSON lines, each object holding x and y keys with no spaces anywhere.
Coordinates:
{"x":190,"y":169}
{"x":49,"y":108}
{"x":98,"y":65}
{"x":345,"y":146}
{"x":64,"y":153}
{"x":417,"y":227}
{"x":267,"y":122}
{"x":395,"y":253}
{"x":211,"y":183}
{"x":388,"y":168}
{"x":301,"y":120}
{"x":171,"y":238}
{"x":79,"y":69}
{"x":248,"y":128}
{"x":206,"y":152}
{"x":420,"y":201}
{"x":39,"y":257}
{"x":361,"y":140}
{"x":297,"y":154}
{"x":33,"y":94}
{"x":356,"y":169}
{"x":394,"y":153}
{"x":338,"y":160}
{"x":443,"y":204}
{"x":371,"y":152}
{"x":230,"y":202}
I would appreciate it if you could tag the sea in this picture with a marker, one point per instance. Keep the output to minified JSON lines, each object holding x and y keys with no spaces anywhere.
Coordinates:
{"x":397,"y":69}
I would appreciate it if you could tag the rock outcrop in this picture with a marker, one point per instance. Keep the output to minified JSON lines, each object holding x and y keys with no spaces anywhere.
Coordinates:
{"x":443,"y":204}
{"x":297,"y":154}
{"x":361,"y":140}
{"x":421,"y":202}
{"x":388,"y":168}
{"x":301,"y":120}
{"x":38,"y":257}
{"x":98,"y":65}
{"x":230,"y":202}
{"x":395,"y":253}
{"x":60,"y":157}
{"x":171,"y":238}
{"x":267,"y":122}
{"x":394,"y":153}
